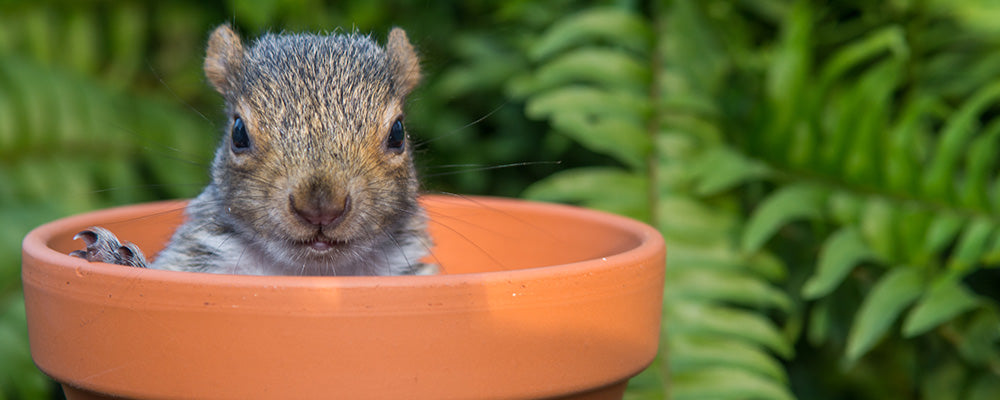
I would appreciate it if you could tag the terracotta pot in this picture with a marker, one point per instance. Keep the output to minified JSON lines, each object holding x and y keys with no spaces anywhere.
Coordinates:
{"x":535,"y":301}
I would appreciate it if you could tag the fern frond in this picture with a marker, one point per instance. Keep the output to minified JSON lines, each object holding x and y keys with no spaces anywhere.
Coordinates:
{"x":597,"y":86}
{"x":69,"y":144}
{"x":900,"y":180}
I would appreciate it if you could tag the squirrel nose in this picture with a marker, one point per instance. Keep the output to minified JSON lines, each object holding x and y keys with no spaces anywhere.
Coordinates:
{"x":318,"y":212}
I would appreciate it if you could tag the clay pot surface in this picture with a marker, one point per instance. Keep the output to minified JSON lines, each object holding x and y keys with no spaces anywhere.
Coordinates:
{"x":534,"y":301}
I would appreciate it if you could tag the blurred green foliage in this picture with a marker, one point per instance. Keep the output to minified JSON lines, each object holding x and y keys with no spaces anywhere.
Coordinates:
{"x":825,"y":174}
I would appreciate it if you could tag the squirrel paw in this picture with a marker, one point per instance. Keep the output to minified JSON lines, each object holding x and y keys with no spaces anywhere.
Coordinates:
{"x":103,"y":246}
{"x":426,"y":269}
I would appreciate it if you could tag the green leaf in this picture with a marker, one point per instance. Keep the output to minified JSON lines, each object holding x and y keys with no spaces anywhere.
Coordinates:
{"x":879,"y":227}
{"x":614,"y":25}
{"x":18,"y":374}
{"x":954,"y":138}
{"x":590,"y":186}
{"x":846,"y":208}
{"x":127,"y":35}
{"x":972,"y":244}
{"x":992,"y":255}
{"x":891,"y":39}
{"x":689,"y":41}
{"x":702,"y":319}
{"x":820,"y":322}
{"x":729,"y":287}
{"x":912,"y":223}
{"x":717,"y":253}
{"x":783,"y":206}
{"x":690,"y":353}
{"x":902,"y":167}
{"x":978,"y":15}
{"x":789,"y":72}
{"x":684,"y":219}
{"x":620,"y":138}
{"x":768,"y":266}
{"x":608,"y":122}
{"x":897,"y":289}
{"x":726,"y":383}
{"x":467,"y":80}
{"x":946,"y":299}
{"x":587,"y":100}
{"x":980,"y":166}
{"x":942,"y":231}
{"x":721,"y":168}
{"x":81,"y":39}
{"x":840,"y":253}
{"x":609,"y":68}
{"x":863,"y":143}
{"x":649,"y":384}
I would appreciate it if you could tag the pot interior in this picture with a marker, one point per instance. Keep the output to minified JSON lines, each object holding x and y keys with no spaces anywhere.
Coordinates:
{"x":471,"y":234}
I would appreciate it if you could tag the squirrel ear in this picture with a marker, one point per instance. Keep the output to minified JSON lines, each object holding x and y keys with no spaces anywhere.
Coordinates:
{"x":404,"y":60}
{"x":224,"y":55}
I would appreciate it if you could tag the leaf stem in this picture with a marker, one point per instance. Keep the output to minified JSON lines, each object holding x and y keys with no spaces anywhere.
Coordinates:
{"x":653,"y":123}
{"x":652,"y":158}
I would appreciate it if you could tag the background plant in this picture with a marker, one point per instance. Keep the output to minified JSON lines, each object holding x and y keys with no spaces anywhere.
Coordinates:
{"x":824,"y":174}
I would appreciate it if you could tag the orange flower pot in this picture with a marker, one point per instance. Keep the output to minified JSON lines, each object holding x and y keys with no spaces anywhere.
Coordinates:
{"x":534,"y":301}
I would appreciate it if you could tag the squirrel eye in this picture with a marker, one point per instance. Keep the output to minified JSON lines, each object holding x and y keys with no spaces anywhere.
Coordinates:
{"x":397,"y":137}
{"x":241,"y":139}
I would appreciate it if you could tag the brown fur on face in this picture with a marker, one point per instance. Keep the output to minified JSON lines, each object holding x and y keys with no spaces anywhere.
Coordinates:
{"x":317,"y":110}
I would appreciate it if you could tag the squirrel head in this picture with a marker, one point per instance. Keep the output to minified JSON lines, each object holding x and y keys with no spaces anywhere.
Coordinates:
{"x":225,"y":57}
{"x":315,"y":160}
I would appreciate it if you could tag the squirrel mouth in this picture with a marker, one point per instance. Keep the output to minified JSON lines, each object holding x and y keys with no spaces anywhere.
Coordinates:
{"x":323,"y":245}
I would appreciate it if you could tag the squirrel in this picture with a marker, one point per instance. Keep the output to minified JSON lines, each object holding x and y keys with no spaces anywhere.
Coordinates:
{"x":314,"y":175}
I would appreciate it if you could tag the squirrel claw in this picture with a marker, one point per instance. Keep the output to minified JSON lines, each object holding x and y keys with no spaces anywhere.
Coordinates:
{"x":103,"y":246}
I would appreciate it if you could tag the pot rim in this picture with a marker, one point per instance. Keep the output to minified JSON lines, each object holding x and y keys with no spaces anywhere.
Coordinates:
{"x":37,"y":244}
